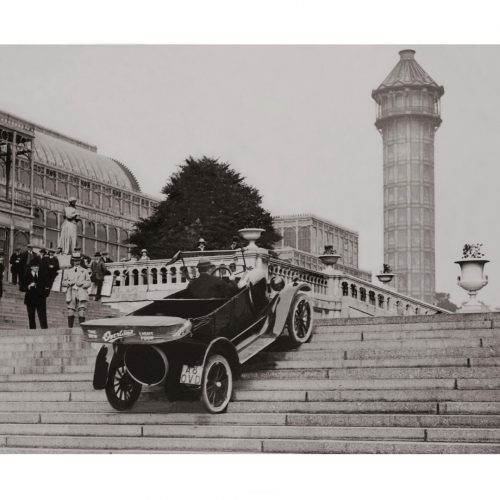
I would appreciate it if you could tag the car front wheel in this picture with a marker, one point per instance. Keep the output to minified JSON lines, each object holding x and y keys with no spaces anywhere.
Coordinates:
{"x":217,"y":384}
{"x":122,"y":390}
{"x":299,"y":322}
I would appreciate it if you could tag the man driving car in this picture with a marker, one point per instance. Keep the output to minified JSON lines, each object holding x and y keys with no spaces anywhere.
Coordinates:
{"x":207,"y":286}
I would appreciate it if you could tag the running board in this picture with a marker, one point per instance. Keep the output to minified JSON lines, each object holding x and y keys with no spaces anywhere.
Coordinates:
{"x":253,"y":345}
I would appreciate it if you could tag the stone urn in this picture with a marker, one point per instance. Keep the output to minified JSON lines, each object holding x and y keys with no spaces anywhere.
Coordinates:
{"x":386,"y":275}
{"x":472,"y":279}
{"x":250,"y":234}
{"x":329,"y":258}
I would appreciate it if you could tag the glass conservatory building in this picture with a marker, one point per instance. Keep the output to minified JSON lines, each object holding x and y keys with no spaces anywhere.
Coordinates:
{"x":40,"y":169}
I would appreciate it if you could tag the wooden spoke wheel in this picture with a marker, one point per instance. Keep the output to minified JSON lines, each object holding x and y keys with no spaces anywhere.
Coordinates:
{"x":217,"y":384}
{"x":300,"y":322}
{"x":122,"y":390}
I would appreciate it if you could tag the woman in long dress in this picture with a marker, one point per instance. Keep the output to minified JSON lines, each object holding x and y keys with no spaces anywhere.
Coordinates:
{"x":67,"y":238}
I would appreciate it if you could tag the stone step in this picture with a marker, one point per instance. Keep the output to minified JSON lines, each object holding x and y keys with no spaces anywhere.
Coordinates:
{"x":454,"y":322}
{"x":325,"y":335}
{"x":429,"y":343}
{"x":401,"y":447}
{"x":373,"y":373}
{"x":366,"y":384}
{"x":375,"y":363}
{"x":361,"y":354}
{"x":222,"y":431}
{"x":437,"y":395}
{"x":107,"y":444}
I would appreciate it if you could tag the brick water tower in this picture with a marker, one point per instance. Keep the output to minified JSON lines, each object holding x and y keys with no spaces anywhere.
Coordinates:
{"x":408,"y":115}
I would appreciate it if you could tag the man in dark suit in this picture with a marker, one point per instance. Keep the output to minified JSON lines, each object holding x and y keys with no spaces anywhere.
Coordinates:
{"x":15,"y":265}
{"x":26,"y":257}
{"x":50,"y":264}
{"x":98,"y":269}
{"x":37,"y":285}
{"x":207,"y":286}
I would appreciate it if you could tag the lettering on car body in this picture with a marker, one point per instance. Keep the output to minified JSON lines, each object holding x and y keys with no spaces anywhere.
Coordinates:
{"x":111,"y":337}
{"x":146,"y":335}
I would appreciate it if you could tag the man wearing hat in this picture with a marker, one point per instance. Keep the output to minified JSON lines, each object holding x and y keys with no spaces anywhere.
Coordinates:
{"x":37,"y":288}
{"x":202,"y":245}
{"x":15,"y":265}
{"x":105,"y":258}
{"x":98,"y":270}
{"x":26,"y":257}
{"x":52,"y":264}
{"x":77,"y":283}
{"x":144,"y":256}
{"x":207,"y":286}
{"x":67,"y":238}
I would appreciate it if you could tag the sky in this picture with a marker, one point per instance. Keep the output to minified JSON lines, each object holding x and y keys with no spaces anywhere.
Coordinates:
{"x":296,"y":121}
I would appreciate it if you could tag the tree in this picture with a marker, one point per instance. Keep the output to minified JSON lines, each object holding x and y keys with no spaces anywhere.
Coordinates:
{"x":443,"y":301}
{"x":206,"y":199}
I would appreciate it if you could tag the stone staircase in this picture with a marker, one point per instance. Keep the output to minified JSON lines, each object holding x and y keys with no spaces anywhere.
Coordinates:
{"x":377,"y":385}
{"x":13,"y":313}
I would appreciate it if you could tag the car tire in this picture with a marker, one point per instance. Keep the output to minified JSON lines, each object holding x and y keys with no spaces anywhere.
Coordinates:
{"x":216,"y":384}
{"x":122,"y":390}
{"x":300,"y":322}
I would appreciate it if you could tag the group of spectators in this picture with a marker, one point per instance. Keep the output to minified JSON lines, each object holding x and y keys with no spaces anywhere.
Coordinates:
{"x":35,"y":274}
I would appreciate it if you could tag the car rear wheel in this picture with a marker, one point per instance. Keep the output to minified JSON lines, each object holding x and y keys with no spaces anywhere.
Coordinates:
{"x":217,"y":384}
{"x":299,"y":322}
{"x":122,"y":390}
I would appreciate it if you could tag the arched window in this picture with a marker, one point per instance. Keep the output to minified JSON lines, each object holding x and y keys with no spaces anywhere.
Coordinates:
{"x":38,"y":181}
{"x":89,"y":229}
{"x":50,"y":182}
{"x":289,"y":239}
{"x":345,"y":289}
{"x":112,"y":234}
{"x":21,"y":239}
{"x":101,"y":232}
{"x":38,"y":222}
{"x":51,"y":220}
{"x":51,"y":231}
{"x":371,"y":298}
{"x":362,"y":294}
{"x":304,"y":239}
{"x":354,"y":292}
{"x":381,"y":300}
{"x":125,"y":235}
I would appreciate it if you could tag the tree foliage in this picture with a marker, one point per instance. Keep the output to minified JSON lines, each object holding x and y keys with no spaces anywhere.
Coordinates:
{"x":206,"y":199}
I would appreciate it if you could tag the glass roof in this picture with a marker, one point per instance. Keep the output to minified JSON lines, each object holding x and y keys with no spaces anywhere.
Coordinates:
{"x":77,"y":160}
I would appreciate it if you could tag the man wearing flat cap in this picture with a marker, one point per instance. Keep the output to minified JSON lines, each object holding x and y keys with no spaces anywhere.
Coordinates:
{"x":207,"y":286}
{"x":67,"y":238}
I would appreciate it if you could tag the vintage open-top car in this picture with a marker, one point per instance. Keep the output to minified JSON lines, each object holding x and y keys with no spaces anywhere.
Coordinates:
{"x":196,"y":347}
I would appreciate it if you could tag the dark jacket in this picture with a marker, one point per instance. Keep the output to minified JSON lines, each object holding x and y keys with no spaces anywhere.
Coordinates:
{"x":98,"y":270}
{"x":36,"y":294}
{"x":50,"y":265}
{"x":15,"y":262}
{"x":26,"y":259}
{"x":207,"y":286}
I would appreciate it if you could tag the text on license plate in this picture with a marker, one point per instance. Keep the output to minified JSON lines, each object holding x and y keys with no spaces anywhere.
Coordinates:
{"x":191,"y":375}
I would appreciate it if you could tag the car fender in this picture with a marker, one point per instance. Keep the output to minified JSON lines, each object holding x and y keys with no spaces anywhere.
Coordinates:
{"x":222,"y":345}
{"x":286,"y":297}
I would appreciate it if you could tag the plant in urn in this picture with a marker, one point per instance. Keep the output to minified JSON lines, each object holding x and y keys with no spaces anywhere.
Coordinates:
{"x":472,"y":277}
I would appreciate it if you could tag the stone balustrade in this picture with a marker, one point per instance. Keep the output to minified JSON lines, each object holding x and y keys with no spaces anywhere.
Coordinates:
{"x":336,"y":294}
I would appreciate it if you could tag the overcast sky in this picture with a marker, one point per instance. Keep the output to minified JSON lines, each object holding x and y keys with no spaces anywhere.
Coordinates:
{"x":296,"y":121}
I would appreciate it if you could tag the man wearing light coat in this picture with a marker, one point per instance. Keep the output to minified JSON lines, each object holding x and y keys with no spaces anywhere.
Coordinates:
{"x":77,"y":281}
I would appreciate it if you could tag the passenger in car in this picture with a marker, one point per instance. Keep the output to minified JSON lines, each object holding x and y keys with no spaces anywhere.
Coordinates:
{"x":207,"y":286}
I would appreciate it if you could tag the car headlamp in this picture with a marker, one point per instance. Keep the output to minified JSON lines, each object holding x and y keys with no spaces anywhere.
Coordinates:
{"x":184,"y":330}
{"x":277,"y":283}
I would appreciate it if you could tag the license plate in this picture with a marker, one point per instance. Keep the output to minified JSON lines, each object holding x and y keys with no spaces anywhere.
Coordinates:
{"x":191,"y":375}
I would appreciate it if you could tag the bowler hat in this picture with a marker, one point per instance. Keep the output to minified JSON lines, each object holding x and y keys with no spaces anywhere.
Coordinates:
{"x":203,"y":262}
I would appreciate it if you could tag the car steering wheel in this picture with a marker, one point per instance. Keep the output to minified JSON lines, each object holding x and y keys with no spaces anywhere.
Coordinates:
{"x":221,"y":270}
